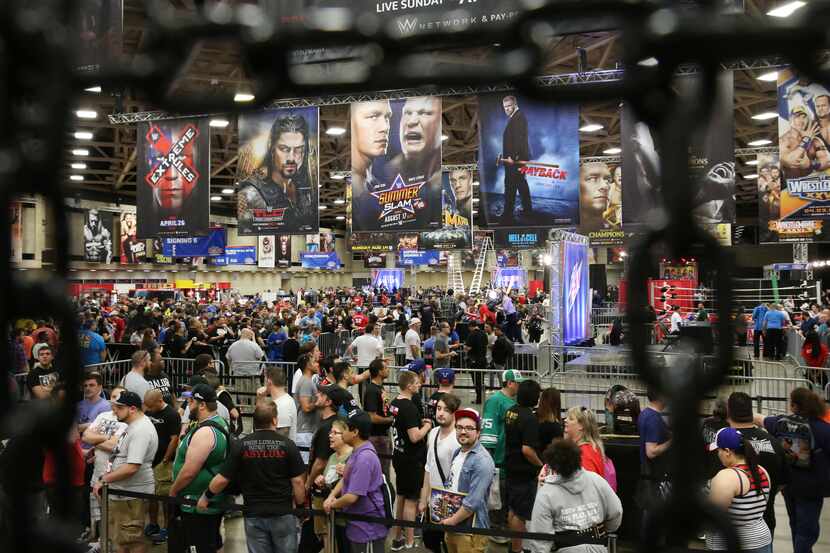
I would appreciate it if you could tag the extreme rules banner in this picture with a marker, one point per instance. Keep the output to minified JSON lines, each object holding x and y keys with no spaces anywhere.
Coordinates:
{"x":528,"y":162}
{"x":711,"y":161}
{"x":804,"y":148}
{"x":173,"y":173}
{"x":396,"y":165}
{"x":278,"y":172}
{"x":456,"y":231}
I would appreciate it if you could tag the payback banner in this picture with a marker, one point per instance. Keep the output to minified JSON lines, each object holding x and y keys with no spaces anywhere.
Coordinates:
{"x":278,"y":172}
{"x":528,"y":162}
{"x":456,"y":231}
{"x":284,"y":250}
{"x":771,"y":228}
{"x":133,"y":250}
{"x":804,"y":148}
{"x":173,"y":173}
{"x":600,"y":197}
{"x":711,"y":161}
{"x":266,"y":253}
{"x":97,"y":238}
{"x":396,"y":165}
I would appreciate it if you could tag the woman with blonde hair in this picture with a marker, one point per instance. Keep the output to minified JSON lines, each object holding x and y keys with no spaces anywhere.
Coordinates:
{"x":581,"y":428}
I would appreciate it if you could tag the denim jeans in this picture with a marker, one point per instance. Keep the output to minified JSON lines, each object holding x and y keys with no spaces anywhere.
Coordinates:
{"x":765,"y":549}
{"x":804,"y":515}
{"x":271,"y":534}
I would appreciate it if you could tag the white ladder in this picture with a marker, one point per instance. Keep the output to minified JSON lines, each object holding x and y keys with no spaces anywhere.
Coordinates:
{"x":455,"y":280}
{"x":486,"y":245}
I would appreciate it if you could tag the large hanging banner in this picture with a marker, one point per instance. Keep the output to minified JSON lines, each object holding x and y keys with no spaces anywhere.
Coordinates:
{"x":236,"y":255}
{"x":600,"y":197}
{"x":319,"y":260}
{"x":133,"y":250}
{"x":396,"y":165}
{"x":16,"y":232}
{"x":419,"y":258}
{"x":456,"y":231}
{"x":711,"y":161}
{"x":266,"y":254}
{"x":374,"y":261}
{"x":576,"y":308}
{"x":529,"y":172}
{"x":771,"y":228}
{"x":284,"y":250}
{"x":390,"y":279}
{"x":372,"y":242}
{"x":470,"y":258}
{"x":157,"y":253}
{"x":97,"y":238}
{"x":278,"y":172}
{"x":100,"y":32}
{"x":804,"y":148}
{"x":196,"y":246}
{"x":326,"y":243}
{"x":525,"y":239}
{"x":173,"y":174}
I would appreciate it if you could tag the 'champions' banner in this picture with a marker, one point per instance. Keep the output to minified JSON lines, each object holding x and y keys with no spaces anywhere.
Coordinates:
{"x":456,"y":230}
{"x":133,"y":250}
{"x":196,"y":246}
{"x":97,"y":238}
{"x":278,"y":172}
{"x":711,"y":161}
{"x":266,"y":252}
{"x":600,"y":197}
{"x":528,"y":162}
{"x":396,"y":165}
{"x":173,"y":173}
{"x":804,"y":148}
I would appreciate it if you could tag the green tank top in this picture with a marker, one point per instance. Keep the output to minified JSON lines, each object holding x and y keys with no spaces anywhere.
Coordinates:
{"x":492,"y":424}
{"x":213,"y":463}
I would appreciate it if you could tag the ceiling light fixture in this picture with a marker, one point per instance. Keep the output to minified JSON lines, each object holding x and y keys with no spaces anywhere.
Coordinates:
{"x":78,"y":165}
{"x":83,"y":135}
{"x":93,"y":89}
{"x":768,"y":77}
{"x":219,"y":123}
{"x":341,"y":217}
{"x":764,"y":116}
{"x":86,"y":114}
{"x":751,"y":162}
{"x":242,"y":97}
{"x":335,"y":131}
{"x":612,"y":151}
{"x":753,"y":176}
{"x":215,"y":198}
{"x":592,"y":127}
{"x":227,"y":191}
{"x":786,"y":10}
{"x":76,"y":177}
{"x":760,"y":142}
{"x":322,"y":207}
{"x":80,"y":152}
{"x":475,"y":183}
{"x":339,"y":202}
{"x":444,"y":137}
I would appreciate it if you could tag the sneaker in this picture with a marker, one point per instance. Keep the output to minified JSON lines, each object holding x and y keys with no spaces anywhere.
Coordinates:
{"x":159,"y":537}
{"x":94,"y":547}
{"x":499,"y":539}
{"x":409,"y":545}
{"x":151,"y":529}
{"x":397,"y":545}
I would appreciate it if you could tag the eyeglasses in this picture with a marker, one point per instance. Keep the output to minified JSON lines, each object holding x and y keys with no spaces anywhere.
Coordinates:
{"x":459,"y":428}
{"x":335,"y":433}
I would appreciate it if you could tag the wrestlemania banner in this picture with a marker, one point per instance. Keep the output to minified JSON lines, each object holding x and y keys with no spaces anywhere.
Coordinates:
{"x":396,"y":165}
{"x":284,"y":250}
{"x":771,"y":228}
{"x":804,"y":148}
{"x":278,"y":172}
{"x":600,"y":197}
{"x":173,"y":172}
{"x":456,"y":231}
{"x":133,"y":250}
{"x":528,"y":162}
{"x":97,"y":238}
{"x":711,"y":161}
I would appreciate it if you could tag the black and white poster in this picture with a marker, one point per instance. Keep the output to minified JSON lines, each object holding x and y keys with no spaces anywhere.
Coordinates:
{"x":97,"y":238}
{"x":283,"y":258}
{"x":266,"y":252}
{"x":711,"y":162}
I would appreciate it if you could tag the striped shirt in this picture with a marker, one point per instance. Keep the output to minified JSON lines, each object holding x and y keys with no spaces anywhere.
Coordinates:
{"x":747,"y":514}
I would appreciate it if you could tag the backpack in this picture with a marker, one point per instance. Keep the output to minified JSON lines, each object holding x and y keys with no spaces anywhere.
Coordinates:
{"x":610,"y":473}
{"x":797,"y":440}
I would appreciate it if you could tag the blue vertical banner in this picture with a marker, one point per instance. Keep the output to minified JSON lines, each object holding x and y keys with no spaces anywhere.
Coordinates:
{"x":576,"y":301}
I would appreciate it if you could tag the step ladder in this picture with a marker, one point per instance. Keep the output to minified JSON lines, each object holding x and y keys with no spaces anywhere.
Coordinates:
{"x":455,"y":280}
{"x":486,"y":246}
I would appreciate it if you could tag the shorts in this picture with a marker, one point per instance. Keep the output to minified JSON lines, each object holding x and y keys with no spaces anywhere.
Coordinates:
{"x":126,"y":522}
{"x":202,"y":533}
{"x":520,"y":498}
{"x":163,"y":474}
{"x":409,"y":476}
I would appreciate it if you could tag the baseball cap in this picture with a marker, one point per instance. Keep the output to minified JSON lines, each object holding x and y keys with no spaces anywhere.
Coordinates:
{"x":445,"y":375}
{"x":727,"y":438}
{"x":512,"y":376}
{"x":195,"y":380}
{"x":359,"y":419}
{"x":417,"y":366}
{"x":204,"y":392}
{"x":128,"y":399}
{"x":469,"y":414}
{"x":414,"y":321}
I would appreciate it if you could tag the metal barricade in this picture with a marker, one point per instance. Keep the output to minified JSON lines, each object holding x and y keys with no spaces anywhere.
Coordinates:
{"x":112,"y":371}
{"x":247,"y":376}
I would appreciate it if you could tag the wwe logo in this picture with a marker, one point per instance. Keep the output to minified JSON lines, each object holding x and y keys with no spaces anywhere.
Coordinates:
{"x":407,"y":26}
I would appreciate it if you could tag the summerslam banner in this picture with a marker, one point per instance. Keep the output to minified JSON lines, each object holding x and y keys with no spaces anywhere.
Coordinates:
{"x":173,"y":174}
{"x":97,"y":238}
{"x":396,"y":165}
{"x":372,"y":242}
{"x":456,"y":231}
{"x":266,"y":254}
{"x":771,"y":228}
{"x":804,"y":149}
{"x":278,"y":172}
{"x":133,"y":250}
{"x":600,"y":197}
{"x":528,"y":162}
{"x":284,"y":250}
{"x":319,"y":260}
{"x":711,"y":161}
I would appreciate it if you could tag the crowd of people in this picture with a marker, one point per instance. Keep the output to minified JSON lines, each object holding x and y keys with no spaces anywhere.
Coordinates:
{"x":349,"y":436}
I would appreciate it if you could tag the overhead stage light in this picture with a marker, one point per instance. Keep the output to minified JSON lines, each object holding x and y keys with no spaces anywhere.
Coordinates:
{"x":593,"y":127}
{"x":241,"y":97}
{"x":786,"y":10}
{"x":215,"y":198}
{"x":83,"y":135}
{"x":93,"y":89}
{"x":86,"y":114}
{"x":78,"y":165}
{"x":76,"y":177}
{"x":219,"y":123}
{"x":764,"y":116}
{"x":612,"y":151}
{"x":770,"y":76}
{"x":761,"y":142}
{"x":80,"y":152}
{"x":335,"y":131}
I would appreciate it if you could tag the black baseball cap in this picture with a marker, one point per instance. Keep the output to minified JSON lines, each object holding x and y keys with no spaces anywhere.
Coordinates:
{"x":195,"y":380}
{"x":128,"y":399}
{"x":204,"y":392}
{"x":359,"y":419}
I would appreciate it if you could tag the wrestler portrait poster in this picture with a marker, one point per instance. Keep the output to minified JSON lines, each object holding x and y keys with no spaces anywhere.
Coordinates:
{"x":600,"y":196}
{"x":97,"y":238}
{"x":456,"y":230}
{"x":528,"y":162}
{"x":278,"y":172}
{"x":133,"y":250}
{"x":396,"y":165}
{"x":173,"y":178}
{"x":711,"y":161}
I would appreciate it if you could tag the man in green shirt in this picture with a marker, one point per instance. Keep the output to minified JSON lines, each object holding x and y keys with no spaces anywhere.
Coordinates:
{"x":492,"y":434}
{"x":201,"y":453}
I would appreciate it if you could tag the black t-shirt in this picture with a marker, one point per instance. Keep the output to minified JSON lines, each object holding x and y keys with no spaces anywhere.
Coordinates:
{"x":161,"y":382}
{"x":290,"y":350}
{"x":225,"y":398}
{"x":40,"y":376}
{"x":407,"y":415}
{"x":178,"y":345}
{"x":167,"y":423}
{"x":477,"y":341}
{"x":548,"y":431}
{"x":770,"y":454}
{"x":521,"y":428}
{"x":373,"y":403}
{"x":320,"y":446}
{"x":263,"y":463}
